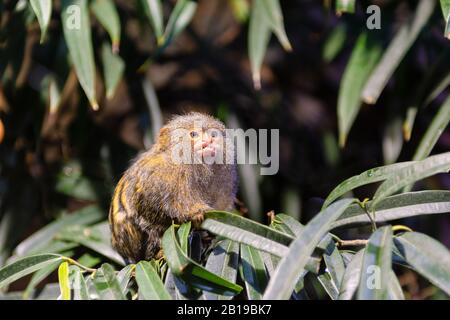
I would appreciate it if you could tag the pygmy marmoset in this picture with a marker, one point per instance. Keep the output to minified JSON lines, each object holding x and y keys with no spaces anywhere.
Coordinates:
{"x":188,"y":171}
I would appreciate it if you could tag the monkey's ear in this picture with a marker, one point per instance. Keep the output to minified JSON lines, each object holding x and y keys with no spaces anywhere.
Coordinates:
{"x":164,"y":138}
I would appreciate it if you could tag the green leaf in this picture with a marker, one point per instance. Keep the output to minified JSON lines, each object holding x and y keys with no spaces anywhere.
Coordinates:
{"x":113,"y":69}
{"x":124,"y":277}
{"x":106,"y":13}
{"x":370,"y":176}
{"x":282,"y":283}
{"x":273,"y":14}
{"x":181,"y":15}
{"x":434,"y":131}
{"x":63,"y":278}
{"x":43,"y":11}
{"x":335,"y":266}
{"x":92,"y":240}
{"x":154,"y":12}
{"x":258,"y":40}
{"x":254,"y":234}
{"x":253,"y":272}
{"x":345,"y":6}
{"x":434,"y":82}
{"x":427,"y":256}
{"x":25,"y":266}
{"x":365,"y":55}
{"x":334,"y":43}
{"x":410,"y":174}
{"x":376,"y":268}
{"x":398,"y":207}
{"x":352,"y":275}
{"x":223,"y":261}
{"x":80,"y":290}
{"x":106,"y":283}
{"x":77,"y":32}
{"x":190,"y":271}
{"x":396,"y":51}
{"x":240,"y":9}
{"x":246,"y":231}
{"x":445,"y":6}
{"x":392,"y":140}
{"x":183,"y":237}
{"x":38,"y":276}
{"x":41,"y":239}
{"x":150,"y":285}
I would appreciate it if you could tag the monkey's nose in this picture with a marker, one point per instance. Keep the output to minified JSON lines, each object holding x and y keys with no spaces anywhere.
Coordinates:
{"x":206,"y":140}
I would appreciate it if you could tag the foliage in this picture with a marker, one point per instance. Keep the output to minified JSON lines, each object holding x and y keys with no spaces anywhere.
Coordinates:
{"x":84,"y":42}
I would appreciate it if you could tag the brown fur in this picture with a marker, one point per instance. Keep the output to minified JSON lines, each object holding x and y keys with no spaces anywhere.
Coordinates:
{"x":155,"y":191}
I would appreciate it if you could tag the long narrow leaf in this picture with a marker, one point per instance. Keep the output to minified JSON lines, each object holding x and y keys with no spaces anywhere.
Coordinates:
{"x":150,"y":285}
{"x":376,"y":268}
{"x":77,"y":32}
{"x":223,"y":261}
{"x":426,"y":255}
{"x":292,"y":265}
{"x":398,"y":207}
{"x":190,"y":271}
{"x":24,"y":266}
{"x":365,"y":55}
{"x":396,"y":51}
{"x":43,"y":11}
{"x":106,"y":13}
{"x":63,"y":278}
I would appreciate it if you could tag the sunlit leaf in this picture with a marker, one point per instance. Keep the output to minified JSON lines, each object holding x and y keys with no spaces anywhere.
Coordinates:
{"x":77,"y":32}
{"x":365,"y":55}
{"x":40,"y":240}
{"x":345,"y":6}
{"x":434,"y":131}
{"x":43,"y":11}
{"x":258,"y":40}
{"x":181,"y":15}
{"x":352,"y":276}
{"x":253,"y":272}
{"x":63,"y":278}
{"x":427,"y":256}
{"x":150,"y":285}
{"x":445,"y":6}
{"x":274,"y":15}
{"x":397,"y":207}
{"x":367,"y":177}
{"x":282,"y":283}
{"x":396,"y":51}
{"x":223,"y":261}
{"x":154,"y":12}
{"x":410,"y":174}
{"x":80,"y":289}
{"x":106,"y":283}
{"x":113,"y":69}
{"x":194,"y":274}
{"x":106,"y":13}
{"x":376,"y":267}
{"x":25,"y":266}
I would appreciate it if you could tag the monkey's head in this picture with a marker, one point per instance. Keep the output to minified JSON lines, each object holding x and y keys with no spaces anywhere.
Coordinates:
{"x":196,"y":138}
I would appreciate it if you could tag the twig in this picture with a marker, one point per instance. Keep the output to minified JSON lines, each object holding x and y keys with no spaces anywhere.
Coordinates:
{"x":352,"y":243}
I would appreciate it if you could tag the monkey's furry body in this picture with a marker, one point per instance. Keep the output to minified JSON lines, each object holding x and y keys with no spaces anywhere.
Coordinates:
{"x":156,"y":191}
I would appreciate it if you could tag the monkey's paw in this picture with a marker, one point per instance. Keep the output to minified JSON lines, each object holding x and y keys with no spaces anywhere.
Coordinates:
{"x":198,"y":219}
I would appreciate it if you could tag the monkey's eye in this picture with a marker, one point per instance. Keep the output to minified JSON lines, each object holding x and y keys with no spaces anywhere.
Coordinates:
{"x":194,"y":134}
{"x":214,"y":133}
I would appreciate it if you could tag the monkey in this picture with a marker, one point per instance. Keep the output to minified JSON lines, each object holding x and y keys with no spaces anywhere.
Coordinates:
{"x":191,"y":169}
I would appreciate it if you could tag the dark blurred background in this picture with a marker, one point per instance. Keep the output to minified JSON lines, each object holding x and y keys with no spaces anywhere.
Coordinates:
{"x":62,"y":160}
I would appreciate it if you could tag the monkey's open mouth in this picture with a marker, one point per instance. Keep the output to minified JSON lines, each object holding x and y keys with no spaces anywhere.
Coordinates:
{"x":208,"y":152}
